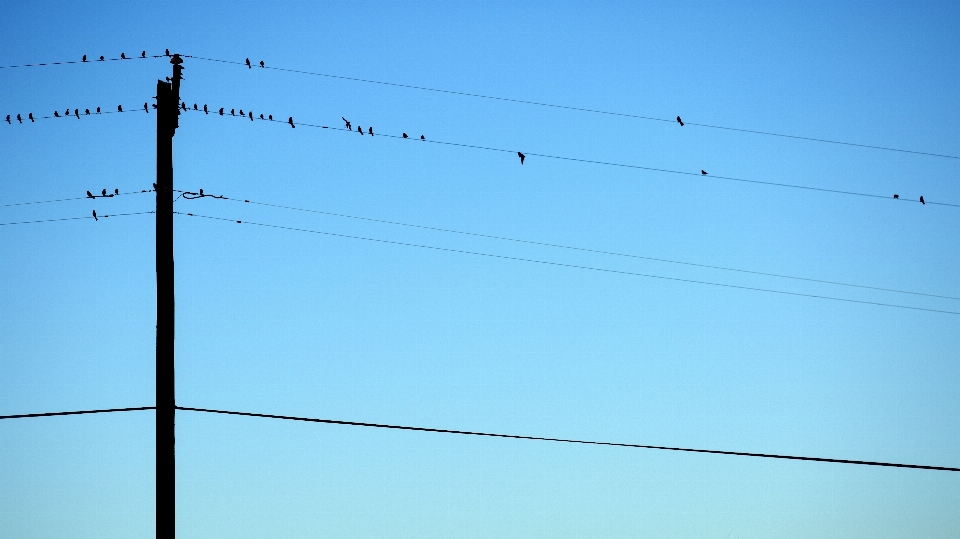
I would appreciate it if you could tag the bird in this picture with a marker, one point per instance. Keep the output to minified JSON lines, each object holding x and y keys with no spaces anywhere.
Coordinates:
{"x":66,"y":113}
{"x":101,"y":58}
{"x":421,"y":137}
{"x":703,"y":172}
{"x":370,"y":130}
{"x":123,"y":56}
{"x":359,"y":130}
{"x":221,"y":111}
{"x":28,"y":115}
{"x":95,"y":215}
{"x":103,"y":193}
{"x":143,"y":54}
{"x":195,"y":107}
{"x":76,"y":112}
{"x":346,"y":121}
{"x":184,"y":106}
{"x":922,"y":201}
{"x":90,"y":195}
{"x":201,"y":192}
{"x":98,"y":110}
{"x":895,"y":196}
{"x":261,"y":116}
{"x":270,"y":117}
{"x":119,"y":108}
{"x":290,"y":121}
{"x":86,"y":111}
{"x":21,"y":120}
{"x":205,"y":109}
{"x":116,"y":191}
{"x":8,"y":118}
{"x":146,"y":108}
{"x":261,"y":63}
{"x":404,"y":135}
{"x":250,"y":115}
{"x":56,"y":114}
{"x":231,"y":113}
{"x":522,"y":157}
{"x":248,"y":64}
{"x":241,"y":112}
{"x":167,"y":52}
{"x":84,"y":57}
{"x":679,"y":121}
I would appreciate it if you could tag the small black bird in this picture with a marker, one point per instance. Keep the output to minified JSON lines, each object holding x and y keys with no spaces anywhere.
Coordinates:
{"x":21,"y":120}
{"x":84,"y":57}
{"x":261,"y":116}
{"x":231,"y":113}
{"x":370,"y":130}
{"x":404,"y":135}
{"x":359,"y":130}
{"x":221,"y":111}
{"x":76,"y":112}
{"x":28,"y":115}
{"x":241,"y":112}
{"x":205,"y":109}
{"x":101,"y":58}
{"x":248,"y":64}
{"x":56,"y":114}
{"x":195,"y":107}
{"x":123,"y":56}
{"x":184,"y":106}
{"x":86,"y":111}
{"x":421,"y":137}
{"x":116,"y":191}
{"x":290,"y":121}
{"x":103,"y":193}
{"x":95,"y":215}
{"x":261,"y":63}
{"x":90,"y":195}
{"x":146,"y":108}
{"x":522,"y":157}
{"x":119,"y":108}
{"x":98,"y":110}
{"x":270,"y":117}
{"x":8,"y":118}
{"x":346,"y":121}
{"x":679,"y":121}
{"x":703,"y":172}
{"x":201,"y":192}
{"x":895,"y":196}
{"x":921,"y":201}
{"x":250,"y":115}
{"x":143,"y":54}
{"x":167,"y":52}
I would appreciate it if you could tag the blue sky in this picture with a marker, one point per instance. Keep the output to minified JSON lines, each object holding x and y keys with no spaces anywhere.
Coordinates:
{"x":292,"y":323}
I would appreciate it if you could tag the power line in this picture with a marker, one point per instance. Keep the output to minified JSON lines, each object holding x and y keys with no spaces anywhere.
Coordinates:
{"x":573,"y":441}
{"x":583,"y":249}
{"x":79,"y":412}
{"x":92,"y":61}
{"x":71,"y":199}
{"x":76,"y":218}
{"x":20,"y":119}
{"x":575,"y":266}
{"x":606,"y":163}
{"x":593,"y":111}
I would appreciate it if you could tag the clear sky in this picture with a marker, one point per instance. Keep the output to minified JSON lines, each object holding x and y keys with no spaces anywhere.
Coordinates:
{"x":283,"y":322}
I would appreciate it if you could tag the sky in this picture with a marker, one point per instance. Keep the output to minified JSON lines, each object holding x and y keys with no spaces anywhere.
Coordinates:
{"x":278,"y":321}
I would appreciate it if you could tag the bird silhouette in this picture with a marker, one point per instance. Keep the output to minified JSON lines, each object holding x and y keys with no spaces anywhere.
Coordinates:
{"x":143,"y":54}
{"x":184,"y":105}
{"x":250,"y":115}
{"x":522,"y":157}
{"x":84,"y":57}
{"x":270,"y":117}
{"x":28,"y":115}
{"x":101,"y":58}
{"x":119,"y":108}
{"x":404,"y":135}
{"x":421,"y":137}
{"x":261,"y":63}
{"x":95,"y":215}
{"x":123,"y":56}
{"x":896,"y":196}
{"x":370,"y":130}
{"x":703,"y":172}
{"x":679,"y":121}
{"x":922,"y":201}
{"x":359,"y":130}
{"x":116,"y":191}
{"x":261,"y":116}
{"x":248,"y":64}
{"x":231,"y":113}
{"x":103,"y":193}
{"x":86,"y":111}
{"x":195,"y":107}
{"x":201,"y":192}
{"x":167,"y":52}
{"x":146,"y":108}
{"x":221,"y":111}
{"x":346,"y":121}
{"x":8,"y":119}
{"x":56,"y":114}
{"x":290,"y":121}
{"x":90,"y":195}
{"x":76,"y":112}
{"x":98,"y":110}
{"x":21,"y":120}
{"x":205,"y":109}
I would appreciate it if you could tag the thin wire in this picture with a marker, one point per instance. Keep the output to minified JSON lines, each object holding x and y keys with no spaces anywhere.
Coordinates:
{"x":26,"y":120}
{"x":75,"y":218}
{"x":588,"y":250}
{"x":79,"y":412}
{"x":94,"y":61}
{"x":572,"y":441}
{"x":75,"y":198}
{"x":575,"y":266}
{"x":619,"y":165}
{"x":581,"y":109}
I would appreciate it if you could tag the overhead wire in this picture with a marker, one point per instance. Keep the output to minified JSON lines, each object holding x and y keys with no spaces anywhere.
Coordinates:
{"x":79,"y":412}
{"x":104,"y":216}
{"x":94,"y":61}
{"x":571,"y":440}
{"x":587,"y":110}
{"x":574,"y":266}
{"x":72,"y":199}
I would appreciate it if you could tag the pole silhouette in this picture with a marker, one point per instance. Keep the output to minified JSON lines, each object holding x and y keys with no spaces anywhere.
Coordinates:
{"x":168,"y":111}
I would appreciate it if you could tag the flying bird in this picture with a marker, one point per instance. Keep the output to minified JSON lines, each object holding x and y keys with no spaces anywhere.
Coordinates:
{"x":90,"y":195}
{"x":248,"y":64}
{"x":921,"y":200}
{"x":95,"y":215}
{"x":703,"y":172}
{"x":421,"y":137}
{"x":404,"y":135}
{"x":522,"y":157}
{"x":346,"y":121}
{"x":290,"y":121}
{"x":123,"y":56}
{"x":119,"y":108}
{"x":370,"y":130}
{"x":679,"y":121}
{"x":84,"y":57}
{"x":261,"y":63}
{"x":143,"y":54}
{"x":895,"y":196}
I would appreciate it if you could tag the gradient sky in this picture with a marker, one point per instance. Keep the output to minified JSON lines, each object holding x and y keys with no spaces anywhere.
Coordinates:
{"x":283,"y":322}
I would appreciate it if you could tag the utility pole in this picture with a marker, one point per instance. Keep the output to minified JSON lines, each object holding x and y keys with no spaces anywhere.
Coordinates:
{"x":168,"y":111}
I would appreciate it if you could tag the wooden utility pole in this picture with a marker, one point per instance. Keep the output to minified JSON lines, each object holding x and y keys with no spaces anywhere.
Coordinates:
{"x":168,"y":111}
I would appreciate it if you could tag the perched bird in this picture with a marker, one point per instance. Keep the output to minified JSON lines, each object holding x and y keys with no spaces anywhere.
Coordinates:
{"x":290,"y":121}
{"x":8,"y":119}
{"x":221,"y":111}
{"x":84,"y":57}
{"x":679,"y":121}
{"x":270,"y":117}
{"x":167,"y":52}
{"x":116,"y":191}
{"x":346,"y":121}
{"x":241,"y":112}
{"x":261,"y":116}
{"x":703,"y":172}
{"x":146,"y":108}
{"x":195,"y":107}
{"x":248,"y":64}
{"x":143,"y":54}
{"x":101,"y":58}
{"x":522,"y":157}
{"x":86,"y":111}
{"x":421,"y":137}
{"x":370,"y":130}
{"x":205,"y":109}
{"x":76,"y":112}
{"x":56,"y":114}
{"x":67,"y":112}
{"x":119,"y":108}
{"x":261,"y":63}
{"x":404,"y":135}
{"x":123,"y":56}
{"x":98,"y":110}
{"x":184,"y":106}
{"x":895,"y":196}
{"x":28,"y":115}
{"x":21,"y":120}
{"x":90,"y":195}
{"x":250,"y":115}
{"x":921,"y":200}
{"x":95,"y":215}
{"x":231,"y":113}
{"x":103,"y":193}
{"x":359,"y":130}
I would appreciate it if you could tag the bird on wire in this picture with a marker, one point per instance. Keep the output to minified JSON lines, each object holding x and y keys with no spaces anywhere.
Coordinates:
{"x":679,"y":121}
{"x":290,"y":121}
{"x":146,"y":108}
{"x":346,"y":121}
{"x":84,"y":57}
{"x":261,"y":116}
{"x":703,"y":172}
{"x":76,"y":112}
{"x":404,"y":135}
{"x":270,"y":117}
{"x":184,"y":105}
{"x":123,"y":56}
{"x":359,"y":130}
{"x":8,"y":118}
{"x":86,"y":111}
{"x":143,"y":54}
{"x":522,"y":157}
{"x":248,"y":64}
{"x":896,"y":196}
{"x":221,"y":111}
{"x":422,"y":138}
{"x":195,"y":107}
{"x":205,"y":109}
{"x":261,"y":63}
{"x":116,"y":191}
{"x":98,"y":110}
{"x":370,"y":130}
{"x":119,"y":108}
{"x":231,"y":113}
{"x":167,"y":52}
{"x":103,"y":193}
{"x":250,"y":115}
{"x":921,"y":200}
{"x":67,"y":112}
{"x":95,"y":215}
{"x":241,"y":112}
{"x":19,"y":119}
{"x":28,"y":115}
{"x":101,"y":58}
{"x":90,"y":195}
{"x":56,"y":114}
